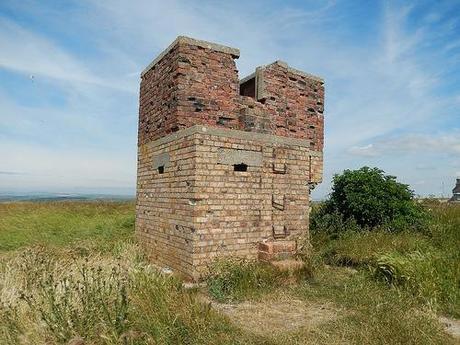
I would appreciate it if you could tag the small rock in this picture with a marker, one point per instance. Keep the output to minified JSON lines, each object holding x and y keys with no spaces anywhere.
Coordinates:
{"x":166,"y":270}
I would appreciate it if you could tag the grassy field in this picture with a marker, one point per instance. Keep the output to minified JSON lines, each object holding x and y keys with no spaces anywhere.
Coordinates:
{"x":71,"y":272}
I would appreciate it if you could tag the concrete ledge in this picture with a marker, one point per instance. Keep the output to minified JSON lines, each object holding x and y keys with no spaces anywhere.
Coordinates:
{"x":285,"y":65}
{"x":298,"y":72}
{"x":289,"y":265}
{"x":194,"y":42}
{"x":233,"y":133}
{"x":259,"y":78}
{"x":276,"y":250}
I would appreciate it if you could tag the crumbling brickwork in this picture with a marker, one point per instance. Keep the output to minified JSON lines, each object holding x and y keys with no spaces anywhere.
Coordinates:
{"x":225,"y":167}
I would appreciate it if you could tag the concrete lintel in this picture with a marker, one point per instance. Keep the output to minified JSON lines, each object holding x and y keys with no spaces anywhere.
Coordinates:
{"x":188,"y":40}
{"x":234,"y":156}
{"x":237,"y":134}
{"x":161,"y":160}
{"x":248,"y":77}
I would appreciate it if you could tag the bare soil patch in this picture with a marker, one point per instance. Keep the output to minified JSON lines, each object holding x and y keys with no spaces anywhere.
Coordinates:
{"x":452,"y":326}
{"x":274,"y":316}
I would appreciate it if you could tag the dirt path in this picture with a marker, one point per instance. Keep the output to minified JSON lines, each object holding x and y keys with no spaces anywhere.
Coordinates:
{"x":452,"y":326}
{"x":272,"y":316}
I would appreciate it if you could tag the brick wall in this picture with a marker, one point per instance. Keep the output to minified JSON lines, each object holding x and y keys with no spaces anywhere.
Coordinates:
{"x":164,"y":215}
{"x":199,"y":207}
{"x":294,"y":101}
{"x":191,"y":83}
{"x":224,"y":165}
{"x":196,"y":82}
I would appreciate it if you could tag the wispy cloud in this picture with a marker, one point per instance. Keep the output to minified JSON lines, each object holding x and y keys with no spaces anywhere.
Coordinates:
{"x":412,"y":143}
{"x":14,"y":173}
{"x":29,"y":53}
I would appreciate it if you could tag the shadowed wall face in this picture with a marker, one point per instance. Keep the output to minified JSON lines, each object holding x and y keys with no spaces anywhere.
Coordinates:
{"x":224,"y":167}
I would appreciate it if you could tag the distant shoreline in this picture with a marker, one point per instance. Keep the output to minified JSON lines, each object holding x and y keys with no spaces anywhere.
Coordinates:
{"x":5,"y":198}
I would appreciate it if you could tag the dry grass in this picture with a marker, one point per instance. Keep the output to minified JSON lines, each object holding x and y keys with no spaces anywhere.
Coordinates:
{"x":278,"y":313}
{"x":71,"y":271}
{"x":92,"y":283}
{"x":48,"y":297}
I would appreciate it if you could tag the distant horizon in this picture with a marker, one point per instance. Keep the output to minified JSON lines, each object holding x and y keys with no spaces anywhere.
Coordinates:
{"x":50,"y":196}
{"x":56,"y":196}
{"x":445,"y":191}
{"x":109,"y":191}
{"x":130,"y":193}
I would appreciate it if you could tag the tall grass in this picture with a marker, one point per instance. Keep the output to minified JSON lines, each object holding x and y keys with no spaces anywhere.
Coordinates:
{"x":48,"y":298}
{"x":233,"y":280}
{"x":373,"y":312}
{"x":71,"y":271}
{"x":426,"y":264}
{"x":431,"y":277}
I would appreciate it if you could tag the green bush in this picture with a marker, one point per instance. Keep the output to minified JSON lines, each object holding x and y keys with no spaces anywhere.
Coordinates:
{"x":330,"y":223}
{"x":370,"y":199}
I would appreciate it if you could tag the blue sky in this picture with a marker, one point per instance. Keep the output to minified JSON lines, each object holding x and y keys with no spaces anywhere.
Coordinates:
{"x":69,"y":79}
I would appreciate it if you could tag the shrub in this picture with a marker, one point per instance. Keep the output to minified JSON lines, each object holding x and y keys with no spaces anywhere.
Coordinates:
{"x":330,"y":223}
{"x":370,"y":198}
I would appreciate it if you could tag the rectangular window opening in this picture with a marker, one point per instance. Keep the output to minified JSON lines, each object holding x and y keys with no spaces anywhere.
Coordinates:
{"x":240,"y":167}
{"x":161,"y":169}
{"x":248,"y":88}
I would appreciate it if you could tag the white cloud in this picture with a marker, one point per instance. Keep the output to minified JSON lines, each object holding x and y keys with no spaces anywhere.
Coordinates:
{"x":366,"y":150}
{"x":445,"y":143}
{"x":37,"y":56}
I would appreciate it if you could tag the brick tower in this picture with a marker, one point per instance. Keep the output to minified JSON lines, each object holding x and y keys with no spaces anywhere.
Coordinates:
{"x":225,"y":166}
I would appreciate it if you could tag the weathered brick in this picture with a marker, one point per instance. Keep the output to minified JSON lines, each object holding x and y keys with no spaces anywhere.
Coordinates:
{"x":200,"y":204}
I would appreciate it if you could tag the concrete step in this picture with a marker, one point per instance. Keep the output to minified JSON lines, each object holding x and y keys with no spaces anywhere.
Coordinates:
{"x":276,"y":250}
